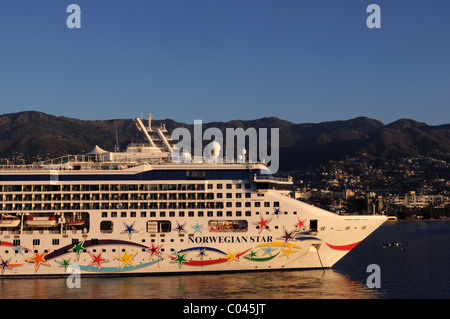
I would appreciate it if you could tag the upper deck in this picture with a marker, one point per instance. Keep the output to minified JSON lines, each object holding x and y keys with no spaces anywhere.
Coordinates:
{"x":140,"y":161}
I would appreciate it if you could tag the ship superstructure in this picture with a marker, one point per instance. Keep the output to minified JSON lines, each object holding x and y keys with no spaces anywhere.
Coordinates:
{"x":138,"y":212}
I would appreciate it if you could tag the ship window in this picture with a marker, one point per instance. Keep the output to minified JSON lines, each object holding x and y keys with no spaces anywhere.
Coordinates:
{"x":195,"y":174}
{"x":313,"y":225}
{"x":190,"y":214}
{"x":106,"y":226}
{"x":173,"y":196}
{"x":228,"y":225}
{"x":55,"y":241}
{"x":159,"y":226}
{"x":13,"y":188}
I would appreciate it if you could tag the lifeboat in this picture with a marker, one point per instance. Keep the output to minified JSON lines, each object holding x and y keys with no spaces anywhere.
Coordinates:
{"x":38,"y":221}
{"x":9,"y":221}
{"x":71,"y":222}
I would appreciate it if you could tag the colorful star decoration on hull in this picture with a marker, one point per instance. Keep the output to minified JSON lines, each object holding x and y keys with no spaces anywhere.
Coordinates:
{"x":180,"y":258}
{"x":98,"y":260}
{"x":287,"y":252}
{"x":277,"y":212}
{"x":300,"y":223}
{"x":253,"y":257}
{"x":129,"y":229}
{"x":180,"y":228}
{"x":263,"y":224}
{"x":5,"y":264}
{"x":288,"y":235}
{"x":64,"y":263}
{"x":78,"y":248}
{"x":230,"y":257}
{"x":38,"y":259}
{"x":154,"y":250}
{"x":197,"y":228}
{"x":127,"y":259}
{"x":268,"y":250}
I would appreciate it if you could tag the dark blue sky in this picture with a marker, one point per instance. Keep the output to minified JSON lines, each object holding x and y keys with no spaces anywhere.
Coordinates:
{"x":218,"y":60}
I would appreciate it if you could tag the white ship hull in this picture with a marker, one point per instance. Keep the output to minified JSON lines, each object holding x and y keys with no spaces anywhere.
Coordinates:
{"x":133,"y":247}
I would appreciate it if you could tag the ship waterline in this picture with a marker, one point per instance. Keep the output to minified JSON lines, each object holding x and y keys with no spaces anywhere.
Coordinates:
{"x":136,"y":212}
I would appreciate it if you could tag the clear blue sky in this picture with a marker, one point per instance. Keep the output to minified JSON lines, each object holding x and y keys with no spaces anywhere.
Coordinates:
{"x":218,"y":60}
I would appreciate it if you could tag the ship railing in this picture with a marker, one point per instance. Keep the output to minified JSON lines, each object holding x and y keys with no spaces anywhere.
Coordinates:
{"x":269,"y":178}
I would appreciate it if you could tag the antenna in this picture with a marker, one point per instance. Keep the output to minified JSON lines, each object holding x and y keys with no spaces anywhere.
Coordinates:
{"x":117,"y":137}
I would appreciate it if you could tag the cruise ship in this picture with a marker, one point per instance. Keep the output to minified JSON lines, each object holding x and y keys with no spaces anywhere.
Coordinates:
{"x":139,"y":212}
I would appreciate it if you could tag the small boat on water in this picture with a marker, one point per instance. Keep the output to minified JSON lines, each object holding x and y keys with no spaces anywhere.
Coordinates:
{"x":38,"y":221}
{"x":9,"y":221}
{"x":394,"y":244}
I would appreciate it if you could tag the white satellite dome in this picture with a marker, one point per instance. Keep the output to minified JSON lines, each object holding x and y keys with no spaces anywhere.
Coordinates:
{"x":212,"y":150}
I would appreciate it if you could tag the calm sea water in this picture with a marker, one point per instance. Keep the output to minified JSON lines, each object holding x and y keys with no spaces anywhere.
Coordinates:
{"x":420,"y":268}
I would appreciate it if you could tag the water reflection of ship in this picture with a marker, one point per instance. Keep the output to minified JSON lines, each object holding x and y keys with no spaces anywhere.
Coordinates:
{"x":305,"y":284}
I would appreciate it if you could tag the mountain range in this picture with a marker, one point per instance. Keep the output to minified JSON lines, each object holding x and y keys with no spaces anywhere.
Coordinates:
{"x":35,"y":134}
